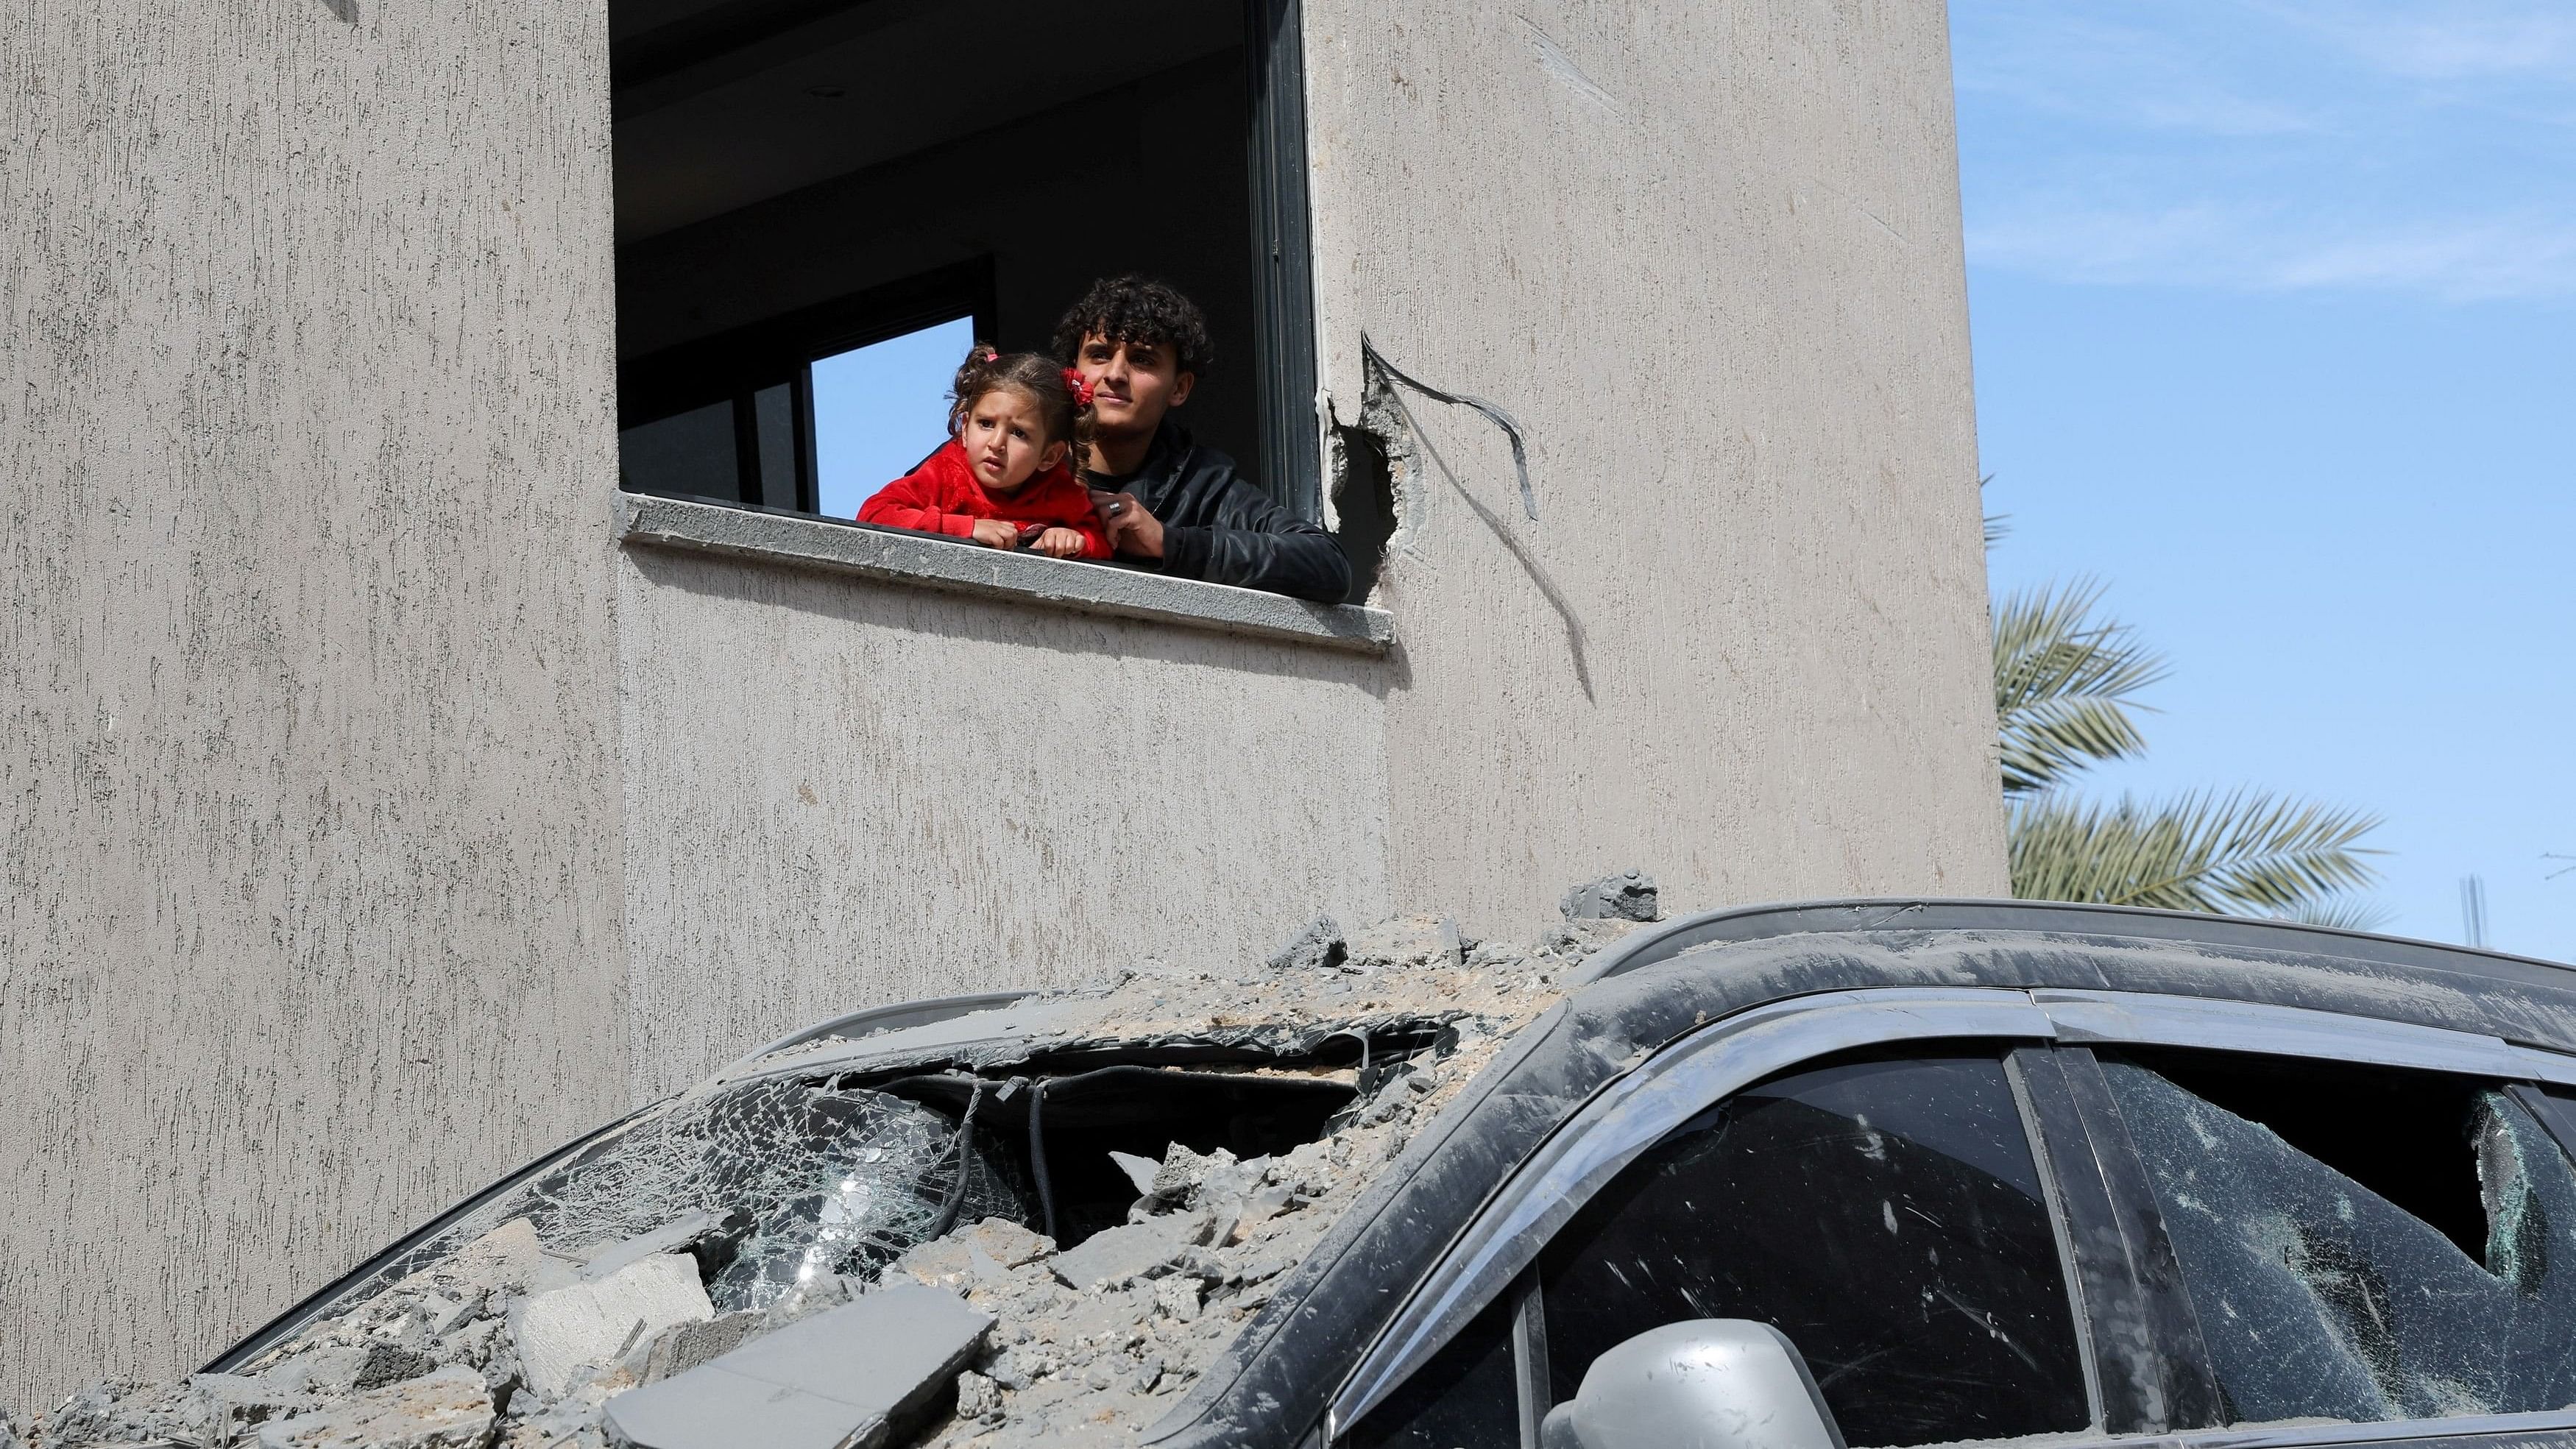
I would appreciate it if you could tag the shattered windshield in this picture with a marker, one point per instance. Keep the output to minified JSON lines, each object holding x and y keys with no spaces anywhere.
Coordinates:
{"x":2321,"y":1298}
{"x":809,"y":1179}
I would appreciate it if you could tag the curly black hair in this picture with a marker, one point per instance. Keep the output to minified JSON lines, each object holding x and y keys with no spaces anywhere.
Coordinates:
{"x":1137,"y":309}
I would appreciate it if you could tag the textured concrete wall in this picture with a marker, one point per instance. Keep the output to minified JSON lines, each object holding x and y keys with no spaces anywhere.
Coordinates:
{"x":842,"y":793}
{"x":308,"y":825}
{"x":1709,"y":255}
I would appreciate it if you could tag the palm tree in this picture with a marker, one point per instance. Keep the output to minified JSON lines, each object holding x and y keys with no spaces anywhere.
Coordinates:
{"x":2066,"y":681}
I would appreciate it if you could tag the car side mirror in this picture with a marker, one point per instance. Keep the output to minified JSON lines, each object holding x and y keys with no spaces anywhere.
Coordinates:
{"x":1709,"y":1383}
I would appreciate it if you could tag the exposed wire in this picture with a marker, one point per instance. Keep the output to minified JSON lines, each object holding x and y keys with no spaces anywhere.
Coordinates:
{"x":1520,"y":449}
{"x":955,"y":1197}
{"x":1037,"y":1157}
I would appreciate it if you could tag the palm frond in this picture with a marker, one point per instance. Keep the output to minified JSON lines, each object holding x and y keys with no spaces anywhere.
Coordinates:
{"x":2242,"y":852}
{"x":2064,"y":685}
{"x":1998,"y":528}
{"x":2345,"y":913}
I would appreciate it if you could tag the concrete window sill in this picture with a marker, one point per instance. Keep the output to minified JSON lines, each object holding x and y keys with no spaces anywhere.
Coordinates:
{"x":895,"y":556}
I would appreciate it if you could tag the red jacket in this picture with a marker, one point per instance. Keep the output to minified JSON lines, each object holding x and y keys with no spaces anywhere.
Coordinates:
{"x":942,"y":496}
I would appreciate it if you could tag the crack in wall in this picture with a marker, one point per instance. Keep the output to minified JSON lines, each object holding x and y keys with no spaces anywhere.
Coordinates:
{"x":1379,"y":463}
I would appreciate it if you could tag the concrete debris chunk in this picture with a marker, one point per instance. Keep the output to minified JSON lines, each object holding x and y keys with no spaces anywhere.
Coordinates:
{"x":1139,"y":1170}
{"x":1121,"y":1255}
{"x":684,"y":1346}
{"x":982,"y":1256}
{"x":254,"y":1399}
{"x":1183,"y":1172}
{"x":1406,"y":943}
{"x":677,"y":1237}
{"x":1178,"y":1297}
{"x":1568,"y":944}
{"x":449,"y":1409}
{"x":979,"y":1399}
{"x":506,"y":1259}
{"x":1008,"y":1243}
{"x":1317,"y":946}
{"x":858,"y":1375}
{"x":118,"y":1411}
{"x":596,"y":1323}
{"x":388,"y":1363}
{"x":1627,"y":896}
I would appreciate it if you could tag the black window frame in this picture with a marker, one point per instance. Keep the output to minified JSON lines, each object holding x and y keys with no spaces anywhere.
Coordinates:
{"x":1291,"y":451}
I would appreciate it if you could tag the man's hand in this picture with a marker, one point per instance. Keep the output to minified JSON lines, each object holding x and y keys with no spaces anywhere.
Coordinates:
{"x":1059,"y":543}
{"x":997,"y":533}
{"x":1131,"y":529}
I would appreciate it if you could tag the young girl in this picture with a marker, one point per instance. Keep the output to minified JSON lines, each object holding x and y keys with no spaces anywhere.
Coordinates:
{"x":1006,"y":477}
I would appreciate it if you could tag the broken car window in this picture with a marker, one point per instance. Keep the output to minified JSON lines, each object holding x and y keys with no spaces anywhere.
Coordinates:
{"x":2321,"y":1298}
{"x":809,"y":1178}
{"x":1886,"y":1215}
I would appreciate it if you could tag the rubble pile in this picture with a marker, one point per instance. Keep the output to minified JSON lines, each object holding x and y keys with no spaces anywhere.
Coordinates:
{"x":716,"y":1249}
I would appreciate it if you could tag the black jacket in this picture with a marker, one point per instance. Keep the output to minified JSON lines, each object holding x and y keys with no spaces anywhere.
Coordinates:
{"x":1218,"y":527}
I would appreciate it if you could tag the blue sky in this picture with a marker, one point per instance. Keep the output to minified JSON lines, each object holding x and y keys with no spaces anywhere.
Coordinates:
{"x":880,"y":409}
{"x":2274,"y":305}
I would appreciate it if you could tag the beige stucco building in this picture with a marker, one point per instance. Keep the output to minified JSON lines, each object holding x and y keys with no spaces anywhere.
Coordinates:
{"x":386,"y":795}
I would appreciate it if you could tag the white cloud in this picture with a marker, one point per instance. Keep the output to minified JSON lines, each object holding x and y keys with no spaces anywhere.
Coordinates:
{"x":2097,"y":69}
{"x":2457,"y":41}
{"x":2262,"y":250}
{"x":2420,"y":146}
{"x":2462,"y":261}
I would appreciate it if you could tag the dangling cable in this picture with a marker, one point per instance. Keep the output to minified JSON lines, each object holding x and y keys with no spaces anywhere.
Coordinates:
{"x":955,"y":1198}
{"x":1037,"y":1156}
{"x":1520,"y":451}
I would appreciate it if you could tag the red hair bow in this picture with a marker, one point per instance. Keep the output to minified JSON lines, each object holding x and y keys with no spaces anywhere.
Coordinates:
{"x":1081,"y":389}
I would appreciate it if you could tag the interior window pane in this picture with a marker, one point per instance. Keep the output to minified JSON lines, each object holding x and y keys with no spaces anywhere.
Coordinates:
{"x":691,"y":453}
{"x":1464,"y":1398}
{"x":774,"y":411}
{"x":882,"y":408}
{"x":1886,"y":1216}
{"x":2322,"y":1298}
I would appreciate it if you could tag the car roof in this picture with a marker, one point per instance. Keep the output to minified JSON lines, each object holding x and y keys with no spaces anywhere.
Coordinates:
{"x":1663,"y":983}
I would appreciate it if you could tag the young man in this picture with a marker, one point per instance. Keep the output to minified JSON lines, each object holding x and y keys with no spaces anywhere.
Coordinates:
{"x":1161,"y":496}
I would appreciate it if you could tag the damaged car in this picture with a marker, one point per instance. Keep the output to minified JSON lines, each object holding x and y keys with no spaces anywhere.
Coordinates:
{"x":1829,"y":1176}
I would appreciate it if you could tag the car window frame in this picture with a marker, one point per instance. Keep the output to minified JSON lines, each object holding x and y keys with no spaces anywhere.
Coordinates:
{"x":1630,"y":1112}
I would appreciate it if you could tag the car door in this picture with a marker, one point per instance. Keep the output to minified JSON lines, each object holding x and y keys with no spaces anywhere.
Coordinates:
{"x":2105,"y":1219}
{"x":1886,"y":1210}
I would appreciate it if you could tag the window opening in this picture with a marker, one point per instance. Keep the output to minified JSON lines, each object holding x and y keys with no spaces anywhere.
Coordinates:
{"x":805,"y":188}
{"x":880,"y":409}
{"x":1888,"y":1216}
{"x":2404,"y":1135}
{"x":2360,"y":1244}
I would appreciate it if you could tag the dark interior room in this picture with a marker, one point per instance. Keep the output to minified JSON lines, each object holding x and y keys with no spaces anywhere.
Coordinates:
{"x":798,"y":183}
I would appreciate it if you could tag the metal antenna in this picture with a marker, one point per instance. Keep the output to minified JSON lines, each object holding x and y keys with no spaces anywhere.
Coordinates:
{"x":2473,"y":909}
